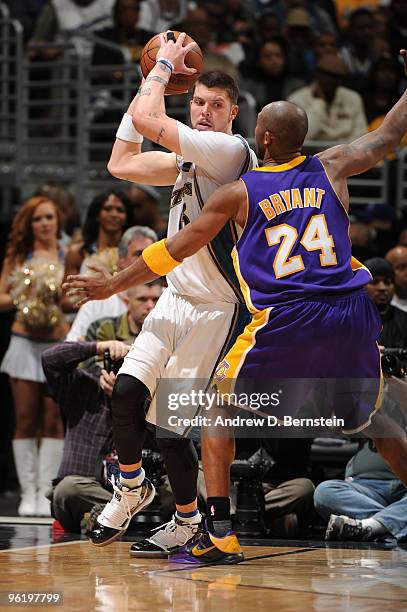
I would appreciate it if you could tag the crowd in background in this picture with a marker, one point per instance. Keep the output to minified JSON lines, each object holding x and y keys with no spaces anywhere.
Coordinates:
{"x":339,"y":61}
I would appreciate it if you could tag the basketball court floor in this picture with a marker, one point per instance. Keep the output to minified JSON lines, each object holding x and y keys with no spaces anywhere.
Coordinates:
{"x":284,"y":576}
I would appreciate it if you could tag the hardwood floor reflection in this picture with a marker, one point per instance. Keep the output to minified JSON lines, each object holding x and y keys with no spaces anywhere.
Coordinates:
{"x":290,"y":579}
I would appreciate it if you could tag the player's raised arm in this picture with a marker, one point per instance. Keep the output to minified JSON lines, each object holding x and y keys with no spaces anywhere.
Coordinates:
{"x":228,"y":202}
{"x":365,"y":152}
{"x":149,"y":114}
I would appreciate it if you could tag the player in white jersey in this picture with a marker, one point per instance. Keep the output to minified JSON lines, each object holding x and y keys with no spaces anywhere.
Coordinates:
{"x":200,"y":312}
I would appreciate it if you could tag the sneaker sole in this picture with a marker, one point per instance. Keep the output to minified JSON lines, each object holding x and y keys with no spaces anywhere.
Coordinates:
{"x":120,"y":533}
{"x":229,"y":560}
{"x":149,"y":554}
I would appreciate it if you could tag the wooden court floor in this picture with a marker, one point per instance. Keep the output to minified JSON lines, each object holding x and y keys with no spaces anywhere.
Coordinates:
{"x":281,"y":578}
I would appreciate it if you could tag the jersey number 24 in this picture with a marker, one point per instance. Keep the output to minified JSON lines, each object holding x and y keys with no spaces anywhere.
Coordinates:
{"x":316,"y":237}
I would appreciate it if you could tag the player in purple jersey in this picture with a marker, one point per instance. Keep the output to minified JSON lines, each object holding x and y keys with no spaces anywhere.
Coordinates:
{"x":303,"y":288}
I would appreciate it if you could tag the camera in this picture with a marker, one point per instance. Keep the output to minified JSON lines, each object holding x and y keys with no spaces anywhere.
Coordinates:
{"x":250,"y":518}
{"x":110,"y":365}
{"x":392,"y":360}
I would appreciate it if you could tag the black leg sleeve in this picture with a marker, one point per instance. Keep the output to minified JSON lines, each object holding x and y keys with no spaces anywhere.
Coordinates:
{"x":128,"y":417}
{"x":181,"y":462}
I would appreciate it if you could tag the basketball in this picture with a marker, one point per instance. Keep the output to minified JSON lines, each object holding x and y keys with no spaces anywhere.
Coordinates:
{"x":179,"y":83}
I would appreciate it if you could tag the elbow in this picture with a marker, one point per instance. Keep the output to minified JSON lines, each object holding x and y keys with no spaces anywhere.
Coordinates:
{"x":116,"y":171}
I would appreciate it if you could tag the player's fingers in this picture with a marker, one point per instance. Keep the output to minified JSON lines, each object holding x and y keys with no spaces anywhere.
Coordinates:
{"x":162,"y":40}
{"x":181,"y":39}
{"x":171,"y":36}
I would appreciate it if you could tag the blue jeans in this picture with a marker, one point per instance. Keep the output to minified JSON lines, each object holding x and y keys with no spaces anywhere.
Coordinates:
{"x":383,"y":500}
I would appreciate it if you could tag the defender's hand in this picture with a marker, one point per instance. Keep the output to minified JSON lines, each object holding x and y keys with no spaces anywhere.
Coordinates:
{"x":88,"y":287}
{"x":176,"y":53}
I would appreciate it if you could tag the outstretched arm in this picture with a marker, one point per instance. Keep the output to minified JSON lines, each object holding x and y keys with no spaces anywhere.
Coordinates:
{"x":365,"y":152}
{"x":228,"y":202}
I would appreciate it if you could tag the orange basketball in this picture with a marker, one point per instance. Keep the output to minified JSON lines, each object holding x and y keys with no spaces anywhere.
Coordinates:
{"x":178,"y":83}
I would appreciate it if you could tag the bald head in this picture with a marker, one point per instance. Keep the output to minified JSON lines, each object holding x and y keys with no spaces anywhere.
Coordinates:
{"x":398,"y":259}
{"x":398,"y":252}
{"x":281,"y":128}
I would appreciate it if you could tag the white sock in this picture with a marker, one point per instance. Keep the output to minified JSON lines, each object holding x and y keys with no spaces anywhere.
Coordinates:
{"x":133,"y":483}
{"x":192,"y":520}
{"x":376,"y":527}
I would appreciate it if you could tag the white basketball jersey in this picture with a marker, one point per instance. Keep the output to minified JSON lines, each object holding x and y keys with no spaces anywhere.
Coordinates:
{"x":219,"y":158}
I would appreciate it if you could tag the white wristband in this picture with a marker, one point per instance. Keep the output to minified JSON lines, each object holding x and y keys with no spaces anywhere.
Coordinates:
{"x":127,"y":131}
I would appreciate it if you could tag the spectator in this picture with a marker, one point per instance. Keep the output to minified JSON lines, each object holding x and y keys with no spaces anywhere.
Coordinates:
{"x":369,"y":504}
{"x":398,"y":259}
{"x":381,"y":290}
{"x":300,"y":40}
{"x":344,"y":9}
{"x":319,"y":18}
{"x":63,"y":20}
{"x":140,"y":300}
{"x":108,"y":215}
{"x":133,"y":241}
{"x":145,"y":202}
{"x":268,"y":26}
{"x":69,"y":213}
{"x":383,"y":89}
{"x":334,"y":112}
{"x":324,"y":44}
{"x":30,"y":281}
{"x":161,"y":15}
{"x":197,"y":24}
{"x":357,"y":52}
{"x":126,"y":33}
{"x":268,"y":76}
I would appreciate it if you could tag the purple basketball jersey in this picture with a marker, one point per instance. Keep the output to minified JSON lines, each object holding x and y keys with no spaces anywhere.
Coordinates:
{"x":295,"y":243}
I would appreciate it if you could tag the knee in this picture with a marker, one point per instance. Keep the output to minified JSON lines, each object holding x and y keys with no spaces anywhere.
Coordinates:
{"x":324,"y":495}
{"x":65,"y":490}
{"x":129,"y":396}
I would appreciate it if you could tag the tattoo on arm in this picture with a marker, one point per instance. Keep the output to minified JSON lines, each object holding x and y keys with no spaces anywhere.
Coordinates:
{"x":146,"y":91}
{"x":164,"y":68}
{"x":158,"y":79}
{"x":160,"y":135}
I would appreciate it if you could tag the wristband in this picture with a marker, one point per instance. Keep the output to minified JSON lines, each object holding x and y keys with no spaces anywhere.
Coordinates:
{"x":127,"y":131}
{"x":157,"y":257}
{"x":166,"y":62}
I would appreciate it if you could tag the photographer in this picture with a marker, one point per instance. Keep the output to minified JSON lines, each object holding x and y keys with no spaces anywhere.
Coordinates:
{"x":381,"y":290}
{"x":83,"y":397}
{"x":371,"y":503}
{"x":88,"y":427}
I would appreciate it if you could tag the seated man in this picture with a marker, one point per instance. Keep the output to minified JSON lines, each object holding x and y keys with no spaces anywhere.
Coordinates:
{"x":370,"y":504}
{"x":82,"y":397}
{"x":83,"y":403}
